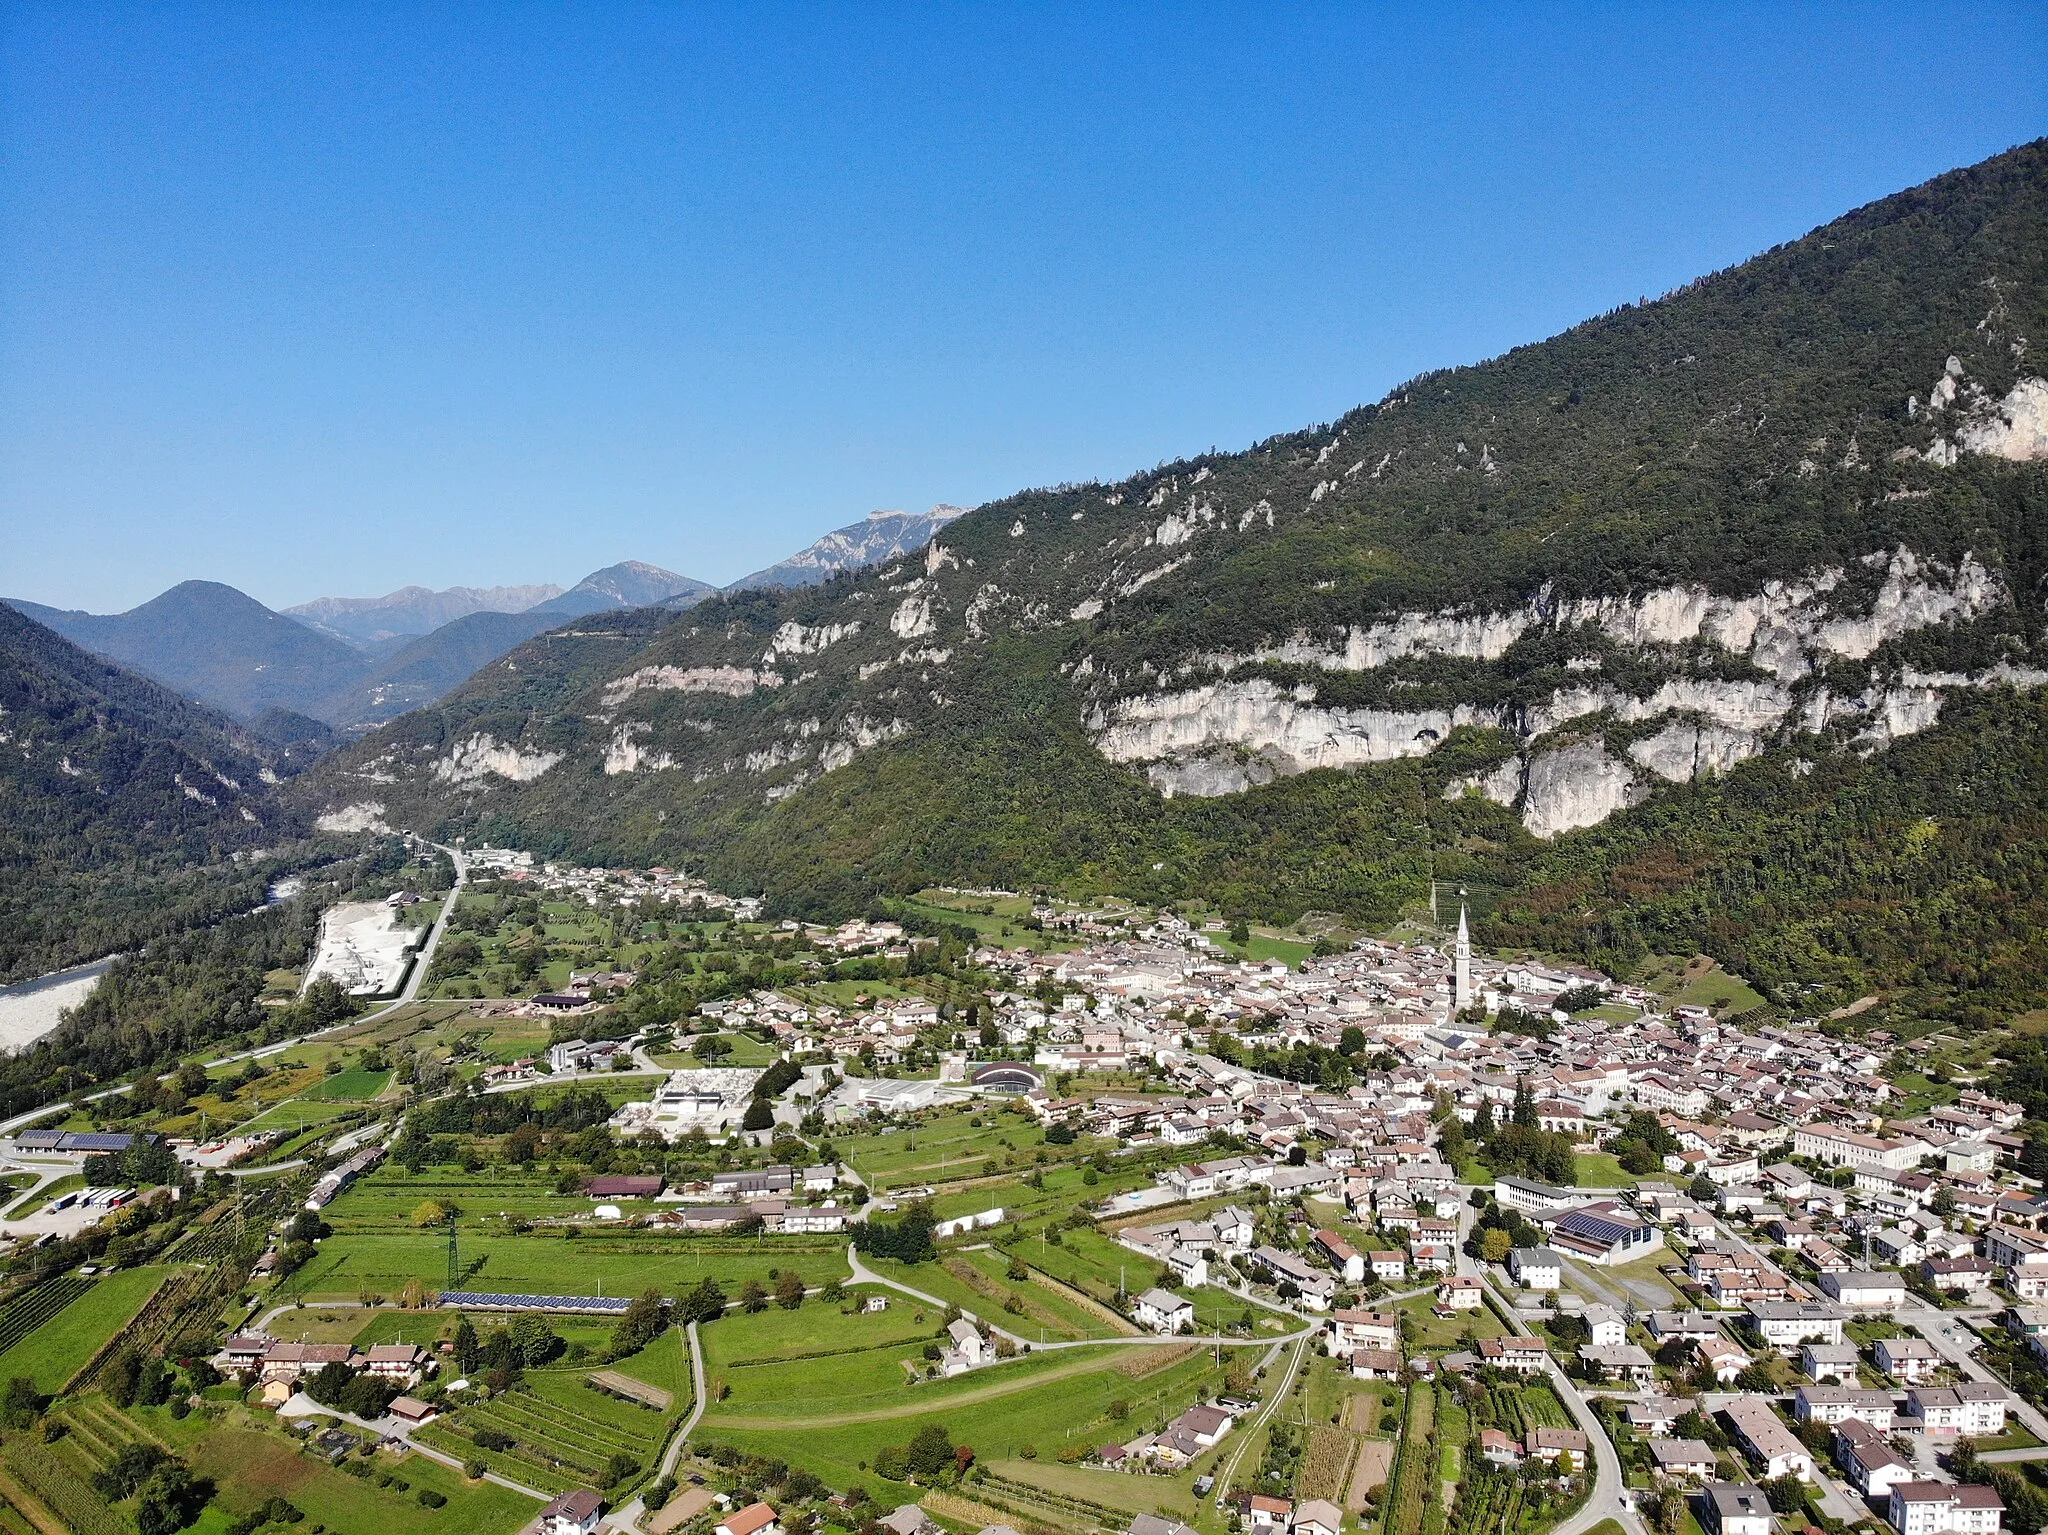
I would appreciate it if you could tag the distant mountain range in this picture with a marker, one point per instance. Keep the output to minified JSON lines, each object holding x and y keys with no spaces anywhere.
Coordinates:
{"x":412,"y":610}
{"x":1713,"y":624}
{"x":354,"y":662}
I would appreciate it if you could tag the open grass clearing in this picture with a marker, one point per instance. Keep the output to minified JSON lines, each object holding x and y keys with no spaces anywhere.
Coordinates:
{"x":65,"y":1344}
{"x":621,"y":1263}
{"x":354,"y":1085}
{"x":252,"y":1465}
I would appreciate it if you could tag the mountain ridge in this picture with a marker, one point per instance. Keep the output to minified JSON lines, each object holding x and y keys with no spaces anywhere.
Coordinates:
{"x":1779,"y":520}
{"x":125,"y":804}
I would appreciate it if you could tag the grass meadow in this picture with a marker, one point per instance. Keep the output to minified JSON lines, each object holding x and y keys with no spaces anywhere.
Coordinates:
{"x":62,"y":1346}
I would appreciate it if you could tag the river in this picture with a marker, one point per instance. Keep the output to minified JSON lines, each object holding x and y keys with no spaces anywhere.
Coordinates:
{"x":30,"y":1009}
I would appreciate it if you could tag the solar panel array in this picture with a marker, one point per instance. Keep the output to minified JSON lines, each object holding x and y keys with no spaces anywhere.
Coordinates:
{"x":1598,"y":1227}
{"x":491,"y":1300}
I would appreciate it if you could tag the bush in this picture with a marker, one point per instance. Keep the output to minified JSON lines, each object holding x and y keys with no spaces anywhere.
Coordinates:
{"x":430,"y":1498}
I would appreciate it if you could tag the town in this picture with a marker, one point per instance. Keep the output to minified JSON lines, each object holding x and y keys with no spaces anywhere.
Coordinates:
{"x":1295,"y":1233}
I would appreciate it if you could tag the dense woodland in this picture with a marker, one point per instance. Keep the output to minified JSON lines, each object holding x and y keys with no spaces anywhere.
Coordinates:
{"x":122,"y":807}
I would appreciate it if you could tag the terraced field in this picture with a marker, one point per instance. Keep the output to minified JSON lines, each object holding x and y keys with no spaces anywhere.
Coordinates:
{"x":564,"y":1433}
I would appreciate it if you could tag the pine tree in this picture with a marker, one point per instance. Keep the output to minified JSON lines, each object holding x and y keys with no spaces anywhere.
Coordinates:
{"x":1525,"y":1104}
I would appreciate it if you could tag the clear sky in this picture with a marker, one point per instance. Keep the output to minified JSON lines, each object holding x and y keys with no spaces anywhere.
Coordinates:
{"x":322,"y":299}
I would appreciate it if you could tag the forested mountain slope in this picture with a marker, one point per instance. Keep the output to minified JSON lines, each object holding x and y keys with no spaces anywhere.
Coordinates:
{"x":1680,"y":628}
{"x":216,"y":644}
{"x":121,"y":805}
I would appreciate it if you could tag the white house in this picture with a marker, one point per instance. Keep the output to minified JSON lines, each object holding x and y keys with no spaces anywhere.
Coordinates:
{"x":1351,"y":1331}
{"x":1868,"y":1459}
{"x":1164,"y":1312}
{"x":1866,"y":1289}
{"x":1737,"y":1508}
{"x":1537,"y":1268}
{"x":1971,"y":1409}
{"x":1935,"y":1508}
{"x":1605,"y":1325}
{"x":575,"y":1513}
{"x":1769,"y":1442}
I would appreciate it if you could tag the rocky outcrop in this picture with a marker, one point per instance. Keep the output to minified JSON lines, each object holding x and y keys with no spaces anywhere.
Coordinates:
{"x":470,"y":762}
{"x":728,"y":681}
{"x":626,"y":753}
{"x":365,"y":815}
{"x":1286,"y":728}
{"x":1577,"y":785}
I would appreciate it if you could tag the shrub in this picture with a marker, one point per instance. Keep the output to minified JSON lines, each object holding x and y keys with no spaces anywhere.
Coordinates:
{"x":430,"y":1498}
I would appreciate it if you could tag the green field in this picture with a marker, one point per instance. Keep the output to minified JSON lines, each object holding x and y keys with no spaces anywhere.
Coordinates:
{"x":1601,"y":1170}
{"x":252,"y":1465}
{"x":842,"y":1414}
{"x":61,"y":1347}
{"x":619,"y":1264}
{"x":355,"y":1085}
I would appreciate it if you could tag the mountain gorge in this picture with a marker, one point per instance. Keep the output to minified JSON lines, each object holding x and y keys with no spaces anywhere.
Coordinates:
{"x":1701,"y":566}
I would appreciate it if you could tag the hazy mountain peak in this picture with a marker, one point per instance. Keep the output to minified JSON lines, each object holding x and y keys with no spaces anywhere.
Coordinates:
{"x":414,"y":609}
{"x":881,"y":535}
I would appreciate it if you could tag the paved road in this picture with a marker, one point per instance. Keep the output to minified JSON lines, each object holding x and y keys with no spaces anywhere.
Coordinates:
{"x":1226,"y":1475}
{"x":628,"y":1518}
{"x":1952,"y":1335}
{"x":1605,"y":1501}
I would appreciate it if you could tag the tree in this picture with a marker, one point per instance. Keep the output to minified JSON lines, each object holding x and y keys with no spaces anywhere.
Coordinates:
{"x":534,"y":1341}
{"x":752,"y":1297}
{"x":1482,"y":1121}
{"x":789,"y":1290}
{"x":644,"y":1320}
{"x":1495,"y":1245}
{"x":930,"y":1452}
{"x":1524,"y":1112}
{"x":760,"y":1115}
{"x":124,"y":1373}
{"x":704,"y":1303}
{"x":1786,"y":1493}
{"x":1703,"y":1189}
{"x":465,"y":1345}
{"x":20,"y":1404}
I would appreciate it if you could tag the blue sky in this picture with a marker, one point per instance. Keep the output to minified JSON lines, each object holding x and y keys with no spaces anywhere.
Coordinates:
{"x":325,"y":299}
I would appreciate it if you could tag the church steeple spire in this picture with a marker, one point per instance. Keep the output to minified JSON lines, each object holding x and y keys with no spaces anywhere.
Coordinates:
{"x":1461,"y":978}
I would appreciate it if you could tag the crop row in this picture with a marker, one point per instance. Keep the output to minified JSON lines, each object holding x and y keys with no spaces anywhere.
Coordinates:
{"x":30,"y":1309}
{"x":1415,"y":1466}
{"x":68,"y":1495}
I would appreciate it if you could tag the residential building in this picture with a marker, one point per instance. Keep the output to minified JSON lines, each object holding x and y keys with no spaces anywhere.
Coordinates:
{"x":1737,"y":1508}
{"x":1784,"y":1325}
{"x":1830,"y":1363}
{"x":1164,"y":1312}
{"x":1776,"y":1450}
{"x":1936,"y":1508}
{"x":1971,"y":1410}
{"x":1351,"y":1331}
{"x":1909,"y":1361}
{"x":1868,"y":1459}
{"x":575,"y":1513}
{"x":1682,"y":1457}
{"x":1865,"y":1289}
{"x":1834,"y":1404}
{"x":1537,"y":1268}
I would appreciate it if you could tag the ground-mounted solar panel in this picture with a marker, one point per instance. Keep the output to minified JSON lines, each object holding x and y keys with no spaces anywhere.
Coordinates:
{"x":494,"y":1300}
